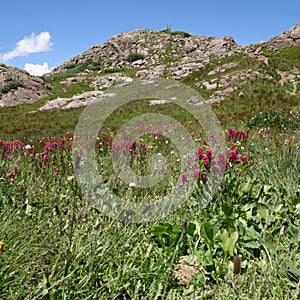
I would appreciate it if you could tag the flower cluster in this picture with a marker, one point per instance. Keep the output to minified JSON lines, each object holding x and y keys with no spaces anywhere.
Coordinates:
{"x":237,"y":135}
{"x":8,"y":147}
{"x":206,"y":162}
{"x":12,"y":174}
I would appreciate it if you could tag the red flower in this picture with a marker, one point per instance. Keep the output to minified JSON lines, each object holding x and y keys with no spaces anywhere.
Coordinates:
{"x":143,"y":148}
{"x":13,"y":174}
{"x":206,"y":162}
{"x":244,"y":158}
{"x":197,"y":174}
{"x":234,"y":155}
{"x":184,"y":177}
{"x":209,"y":154}
{"x":199,"y":153}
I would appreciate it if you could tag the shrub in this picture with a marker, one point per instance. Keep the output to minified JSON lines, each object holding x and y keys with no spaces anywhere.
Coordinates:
{"x":13,"y":85}
{"x":135,"y":56}
{"x":182,"y":33}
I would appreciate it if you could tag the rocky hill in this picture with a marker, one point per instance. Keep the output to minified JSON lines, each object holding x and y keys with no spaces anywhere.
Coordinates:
{"x":288,"y":38}
{"x":216,"y":66}
{"x":18,"y":87}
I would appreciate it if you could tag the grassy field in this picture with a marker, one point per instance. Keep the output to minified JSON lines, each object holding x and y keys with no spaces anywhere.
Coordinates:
{"x":243,"y":243}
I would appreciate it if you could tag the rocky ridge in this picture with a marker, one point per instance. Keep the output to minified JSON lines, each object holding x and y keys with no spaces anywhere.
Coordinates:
{"x":19,"y":87}
{"x":147,"y":54}
{"x":288,"y":38}
{"x":153,"y":46}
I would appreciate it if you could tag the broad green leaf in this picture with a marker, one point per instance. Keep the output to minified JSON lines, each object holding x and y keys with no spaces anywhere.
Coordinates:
{"x":162,"y":228}
{"x":191,"y":229}
{"x":294,"y":234}
{"x":228,"y":241}
{"x":207,"y":233}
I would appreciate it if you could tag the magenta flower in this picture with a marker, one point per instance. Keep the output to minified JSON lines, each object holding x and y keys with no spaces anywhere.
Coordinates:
{"x":234,"y":155}
{"x":56,"y":170}
{"x":244,"y":158}
{"x":184,"y":177}
{"x":13,"y":174}
{"x":209,"y":154}
{"x":197,"y":174}
{"x":199,"y":153}
{"x":222,"y":161}
{"x":206,"y":162}
{"x":143,"y":148}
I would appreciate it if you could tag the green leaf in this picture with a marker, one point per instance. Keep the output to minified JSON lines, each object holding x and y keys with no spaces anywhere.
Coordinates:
{"x":294,"y":234}
{"x":162,"y":228}
{"x":228,"y":241}
{"x":207,"y":233}
{"x":191,"y":229}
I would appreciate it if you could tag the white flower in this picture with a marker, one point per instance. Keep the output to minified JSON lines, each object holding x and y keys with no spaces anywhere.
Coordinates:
{"x":27,"y":147}
{"x":71,"y":178}
{"x":132,"y":184}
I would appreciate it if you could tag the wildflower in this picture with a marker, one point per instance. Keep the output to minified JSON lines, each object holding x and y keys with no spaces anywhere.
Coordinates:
{"x":143,"y":148}
{"x":222,"y":161}
{"x":56,"y":170}
{"x":132,"y":184}
{"x":2,"y":246}
{"x":234,"y":155}
{"x":184,"y":177}
{"x":199,"y":153}
{"x":197,"y":174}
{"x":13,"y":174}
{"x":71,"y":178}
{"x":27,"y":147}
{"x":110,"y":142}
{"x":244,"y":158}
{"x":206,"y":162}
{"x":209,"y":154}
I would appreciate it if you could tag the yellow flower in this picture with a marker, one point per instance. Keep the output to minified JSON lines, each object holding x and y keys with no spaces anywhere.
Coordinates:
{"x":2,"y":246}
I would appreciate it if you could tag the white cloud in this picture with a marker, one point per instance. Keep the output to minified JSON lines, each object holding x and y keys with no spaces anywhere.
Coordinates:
{"x":36,"y":69}
{"x":31,"y":44}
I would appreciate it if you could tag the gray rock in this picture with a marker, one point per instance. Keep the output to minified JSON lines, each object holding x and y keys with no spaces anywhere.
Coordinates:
{"x":210,"y":86}
{"x":288,"y":38}
{"x":19,"y":87}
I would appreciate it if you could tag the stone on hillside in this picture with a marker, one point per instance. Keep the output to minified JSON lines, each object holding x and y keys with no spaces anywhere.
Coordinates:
{"x":159,"y":102}
{"x":210,"y":86}
{"x":220,"y":45}
{"x":288,"y":38}
{"x":19,"y":87}
{"x":75,"y":101}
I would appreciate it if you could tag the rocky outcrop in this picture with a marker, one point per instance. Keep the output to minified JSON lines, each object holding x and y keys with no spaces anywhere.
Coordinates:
{"x":76,"y":101}
{"x":286,"y":39}
{"x":19,"y":87}
{"x":152,"y":48}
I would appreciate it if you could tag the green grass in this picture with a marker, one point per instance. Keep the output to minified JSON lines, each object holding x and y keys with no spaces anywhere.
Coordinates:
{"x":285,"y":59}
{"x":58,"y":247}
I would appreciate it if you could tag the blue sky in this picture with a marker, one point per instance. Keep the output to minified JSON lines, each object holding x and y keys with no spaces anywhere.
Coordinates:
{"x":44,"y":34}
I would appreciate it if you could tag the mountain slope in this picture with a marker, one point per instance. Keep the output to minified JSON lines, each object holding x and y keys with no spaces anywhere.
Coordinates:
{"x":160,"y":53}
{"x":18,"y":87}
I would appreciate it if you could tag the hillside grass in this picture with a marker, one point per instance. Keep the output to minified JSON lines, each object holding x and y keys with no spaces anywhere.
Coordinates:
{"x":55,"y":245}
